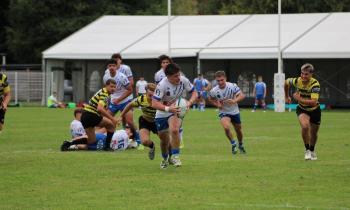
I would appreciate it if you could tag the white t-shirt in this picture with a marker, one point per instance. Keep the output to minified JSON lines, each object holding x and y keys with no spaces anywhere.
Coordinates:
{"x":230,"y":91}
{"x":167,"y":93}
{"x":76,"y":129}
{"x":141,"y":86}
{"x":120,"y":140}
{"x":122,"y":83}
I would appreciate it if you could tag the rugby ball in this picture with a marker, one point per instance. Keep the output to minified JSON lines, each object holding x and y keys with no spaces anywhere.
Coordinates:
{"x":182,"y":103}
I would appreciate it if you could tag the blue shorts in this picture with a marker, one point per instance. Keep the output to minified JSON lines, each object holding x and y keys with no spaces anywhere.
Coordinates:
{"x":235,"y":119}
{"x":259,"y":97}
{"x":100,"y":142}
{"x":162,"y":123}
{"x":114,"y":108}
{"x":202,"y":94}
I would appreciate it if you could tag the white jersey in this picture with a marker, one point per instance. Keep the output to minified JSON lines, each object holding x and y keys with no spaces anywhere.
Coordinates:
{"x":122,"y":83}
{"x":141,"y":86}
{"x":120,"y":140}
{"x":76,"y":129}
{"x":229,"y":92}
{"x":159,"y":76}
{"x":167,"y":93}
{"x":125,"y":69}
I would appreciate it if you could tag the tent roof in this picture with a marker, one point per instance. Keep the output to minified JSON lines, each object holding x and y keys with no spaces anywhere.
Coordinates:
{"x":317,"y":35}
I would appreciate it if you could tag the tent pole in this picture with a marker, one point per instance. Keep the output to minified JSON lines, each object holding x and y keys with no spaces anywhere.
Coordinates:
{"x":169,"y":28}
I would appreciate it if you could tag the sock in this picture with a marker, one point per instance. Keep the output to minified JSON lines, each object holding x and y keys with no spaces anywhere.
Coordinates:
{"x":108,"y":139}
{"x":79,"y":141}
{"x":264,"y":106}
{"x":240,"y":144}
{"x":152,"y":145}
{"x":232,"y":141}
{"x":201,"y":106}
{"x":312,"y":148}
{"x":254,"y":107}
{"x":137,"y":137}
{"x":307,"y":146}
{"x":165,"y":156}
{"x":175,"y":152}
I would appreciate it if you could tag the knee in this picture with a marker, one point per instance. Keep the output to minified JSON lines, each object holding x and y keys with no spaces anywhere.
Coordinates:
{"x":174,"y":131}
{"x":304,"y":127}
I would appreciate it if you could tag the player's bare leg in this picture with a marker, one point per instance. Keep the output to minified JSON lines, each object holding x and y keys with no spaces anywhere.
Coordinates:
{"x":110,"y":127}
{"x":226,"y":124}
{"x":239,"y":133}
{"x":313,"y":139}
{"x":146,"y":141}
{"x":174,"y":127}
{"x":164,"y":145}
{"x":304,"y":121}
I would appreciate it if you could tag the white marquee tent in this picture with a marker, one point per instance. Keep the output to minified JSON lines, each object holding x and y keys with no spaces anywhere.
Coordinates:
{"x":303,"y":36}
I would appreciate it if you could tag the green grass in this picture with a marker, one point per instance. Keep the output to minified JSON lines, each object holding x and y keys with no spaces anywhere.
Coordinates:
{"x":34,"y":174}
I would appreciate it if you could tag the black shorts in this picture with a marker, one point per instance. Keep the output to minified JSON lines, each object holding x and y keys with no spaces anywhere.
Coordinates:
{"x":151,"y":126}
{"x":90,"y":120}
{"x":315,"y":115}
{"x":2,"y":116}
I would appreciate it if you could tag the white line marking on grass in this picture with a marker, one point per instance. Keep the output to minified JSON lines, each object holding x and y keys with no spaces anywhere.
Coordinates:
{"x":286,"y":206}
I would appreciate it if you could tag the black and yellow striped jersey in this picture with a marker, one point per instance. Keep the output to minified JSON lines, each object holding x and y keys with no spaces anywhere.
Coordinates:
{"x":4,"y":86}
{"x":148,"y":112}
{"x":101,"y":97}
{"x":311,"y":90}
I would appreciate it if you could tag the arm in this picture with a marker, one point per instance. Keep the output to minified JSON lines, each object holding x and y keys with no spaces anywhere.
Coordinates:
{"x":160,"y":106}
{"x":286,"y":92}
{"x":238,"y":97}
{"x":126,"y":109}
{"x":192,"y":99}
{"x":104,"y":112}
{"x":309,"y":102}
{"x":254,"y":92}
{"x":265,"y":91}
{"x":215,"y":102}
{"x":131,"y":80}
{"x":6,"y":100}
{"x":126,"y":94}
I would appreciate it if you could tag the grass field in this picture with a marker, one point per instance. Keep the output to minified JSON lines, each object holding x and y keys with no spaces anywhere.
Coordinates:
{"x":34,"y":174}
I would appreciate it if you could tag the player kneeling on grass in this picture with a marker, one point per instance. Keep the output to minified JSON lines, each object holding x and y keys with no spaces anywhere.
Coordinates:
{"x":168,"y":123}
{"x":96,"y":114}
{"x":146,"y":120}
{"x":308,"y":110}
{"x":120,"y":141}
{"x":225,"y":96}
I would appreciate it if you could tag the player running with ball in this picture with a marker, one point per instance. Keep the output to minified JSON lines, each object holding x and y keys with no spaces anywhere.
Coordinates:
{"x":167,"y":121}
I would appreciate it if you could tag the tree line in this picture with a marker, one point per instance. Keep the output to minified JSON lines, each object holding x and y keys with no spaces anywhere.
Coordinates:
{"x":28,"y":27}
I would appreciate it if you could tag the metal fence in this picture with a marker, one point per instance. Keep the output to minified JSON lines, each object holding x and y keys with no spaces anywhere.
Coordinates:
{"x":26,"y":86}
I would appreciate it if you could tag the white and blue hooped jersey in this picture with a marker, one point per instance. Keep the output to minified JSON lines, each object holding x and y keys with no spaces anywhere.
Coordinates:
{"x":159,"y":76}
{"x":76,"y":129}
{"x":167,"y":93}
{"x":122,"y":83}
{"x":120,"y":140}
{"x":229,"y":92}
